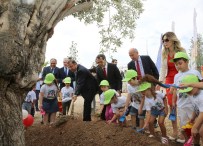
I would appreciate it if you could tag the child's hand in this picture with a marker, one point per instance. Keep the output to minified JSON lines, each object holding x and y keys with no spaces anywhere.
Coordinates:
{"x":192,"y":121}
{"x":157,"y":88}
{"x":140,"y":112}
{"x":40,"y":106}
{"x":98,"y":114}
{"x":166,"y":111}
{"x":184,"y":85}
{"x":194,"y":131}
{"x":109,"y":122}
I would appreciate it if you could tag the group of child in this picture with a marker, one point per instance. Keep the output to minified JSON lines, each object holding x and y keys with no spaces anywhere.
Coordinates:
{"x":146,"y":103}
{"x":48,"y":102}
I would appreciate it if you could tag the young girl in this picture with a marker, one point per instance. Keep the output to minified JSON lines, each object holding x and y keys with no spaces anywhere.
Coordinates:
{"x":192,"y":83}
{"x":48,"y":99}
{"x":104,"y":85}
{"x":134,"y":100}
{"x":67,"y":94}
{"x":156,"y":106}
{"x":117,"y":104}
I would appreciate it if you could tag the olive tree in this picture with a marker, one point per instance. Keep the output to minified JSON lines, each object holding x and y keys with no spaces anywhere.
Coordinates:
{"x":25,"y":27}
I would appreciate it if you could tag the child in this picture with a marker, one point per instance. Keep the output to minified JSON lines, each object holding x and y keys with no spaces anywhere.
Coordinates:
{"x":29,"y":101}
{"x":184,"y":104}
{"x":48,"y":99}
{"x":67,"y":94}
{"x":196,"y":95}
{"x":134,"y":99}
{"x":104,"y":86}
{"x":117,"y":104}
{"x":156,"y":106}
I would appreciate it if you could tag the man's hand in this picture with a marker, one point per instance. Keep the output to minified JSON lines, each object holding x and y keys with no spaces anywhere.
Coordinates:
{"x":74,"y":98}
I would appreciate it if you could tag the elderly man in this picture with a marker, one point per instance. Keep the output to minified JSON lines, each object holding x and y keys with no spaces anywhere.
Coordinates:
{"x":142,"y":64}
{"x":51,"y":69}
{"x":86,"y":85}
{"x":65,"y":72}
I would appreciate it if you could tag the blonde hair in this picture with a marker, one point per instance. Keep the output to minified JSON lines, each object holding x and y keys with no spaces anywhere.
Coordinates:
{"x":176,"y":44}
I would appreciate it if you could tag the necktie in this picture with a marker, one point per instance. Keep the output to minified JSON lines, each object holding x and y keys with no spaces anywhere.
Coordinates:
{"x":104,"y":70}
{"x":65,"y":70}
{"x":52,"y":70}
{"x":138,"y":71}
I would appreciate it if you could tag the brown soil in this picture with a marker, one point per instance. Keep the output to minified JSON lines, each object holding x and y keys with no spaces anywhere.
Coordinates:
{"x":75,"y":132}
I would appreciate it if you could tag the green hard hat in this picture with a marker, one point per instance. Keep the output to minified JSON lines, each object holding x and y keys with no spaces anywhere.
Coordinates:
{"x":180,"y":55}
{"x":188,"y":79}
{"x":129,"y":75}
{"x":104,"y":83}
{"x":108,"y":95}
{"x":67,"y":80}
{"x":144,"y":86}
{"x":49,"y":78}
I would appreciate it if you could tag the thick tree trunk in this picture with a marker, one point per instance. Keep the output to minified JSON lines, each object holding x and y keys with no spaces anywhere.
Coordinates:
{"x":25,"y":27}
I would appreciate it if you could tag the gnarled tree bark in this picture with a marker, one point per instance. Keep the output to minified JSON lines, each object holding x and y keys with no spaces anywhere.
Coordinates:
{"x":25,"y":27}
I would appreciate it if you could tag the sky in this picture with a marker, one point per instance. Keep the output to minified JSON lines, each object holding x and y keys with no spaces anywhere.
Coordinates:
{"x":156,"y":19}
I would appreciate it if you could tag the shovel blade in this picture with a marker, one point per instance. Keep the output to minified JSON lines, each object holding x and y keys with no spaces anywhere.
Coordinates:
{"x":122,"y":119}
{"x":172,"y":117}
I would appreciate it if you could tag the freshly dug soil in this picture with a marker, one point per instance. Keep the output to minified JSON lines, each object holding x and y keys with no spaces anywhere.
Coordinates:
{"x":75,"y":132}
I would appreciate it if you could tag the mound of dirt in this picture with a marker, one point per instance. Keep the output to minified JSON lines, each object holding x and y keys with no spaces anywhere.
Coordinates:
{"x":75,"y":132}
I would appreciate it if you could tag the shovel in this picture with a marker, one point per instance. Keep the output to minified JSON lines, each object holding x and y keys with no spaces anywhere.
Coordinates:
{"x":71,"y":109}
{"x":168,"y":85}
{"x":123,"y":117}
{"x":172,"y":115}
{"x":140,"y":130}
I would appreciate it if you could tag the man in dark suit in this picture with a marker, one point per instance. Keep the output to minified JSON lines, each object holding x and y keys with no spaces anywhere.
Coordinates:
{"x":142,"y":64}
{"x":51,"y":69}
{"x":65,"y":72}
{"x":110,"y":72}
{"x":86,"y":85}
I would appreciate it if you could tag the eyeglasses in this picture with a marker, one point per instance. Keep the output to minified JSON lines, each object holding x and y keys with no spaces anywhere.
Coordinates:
{"x":165,"y":40}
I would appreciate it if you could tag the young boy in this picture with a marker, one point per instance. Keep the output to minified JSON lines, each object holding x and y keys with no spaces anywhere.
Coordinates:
{"x":184,"y":105}
{"x":196,"y":95}
{"x":29,"y":101}
{"x":117,"y":104}
{"x":134,"y":99}
{"x":67,"y":94}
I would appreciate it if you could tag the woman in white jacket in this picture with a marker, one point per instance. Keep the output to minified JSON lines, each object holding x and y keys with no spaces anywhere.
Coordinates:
{"x":171,"y":45}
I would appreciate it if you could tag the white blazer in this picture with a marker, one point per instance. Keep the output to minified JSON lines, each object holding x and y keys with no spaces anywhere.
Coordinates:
{"x":164,"y":69}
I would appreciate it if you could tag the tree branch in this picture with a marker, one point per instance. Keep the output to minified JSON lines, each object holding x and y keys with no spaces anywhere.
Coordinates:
{"x":81,"y":7}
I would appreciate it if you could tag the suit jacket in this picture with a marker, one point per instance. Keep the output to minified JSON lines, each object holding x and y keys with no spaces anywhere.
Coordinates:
{"x":113,"y":76}
{"x":85,"y":82}
{"x":148,"y":65}
{"x":47,"y":70}
{"x":63,"y":75}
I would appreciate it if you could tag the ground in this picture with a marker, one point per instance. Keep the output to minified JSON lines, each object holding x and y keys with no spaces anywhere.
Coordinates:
{"x":75,"y":132}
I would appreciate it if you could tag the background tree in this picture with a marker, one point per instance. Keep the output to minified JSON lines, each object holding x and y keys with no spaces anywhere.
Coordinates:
{"x":199,"y":57}
{"x":25,"y":27}
{"x":116,"y":20}
{"x":73,"y":52}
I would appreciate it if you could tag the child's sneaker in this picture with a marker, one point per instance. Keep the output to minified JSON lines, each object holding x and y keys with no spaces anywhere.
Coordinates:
{"x":180,"y":140}
{"x":172,"y":138}
{"x":164,"y":140}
